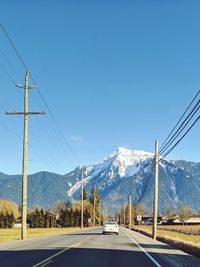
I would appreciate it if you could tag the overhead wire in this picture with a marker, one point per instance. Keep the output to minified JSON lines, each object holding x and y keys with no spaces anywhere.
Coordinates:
{"x":31,"y":143}
{"x":181,"y":128}
{"x":13,"y":81}
{"x":180,"y":119}
{"x":34,"y":147}
{"x":7,"y":73}
{"x":11,"y":65}
{"x":173,"y":139}
{"x":45,"y":103}
{"x":180,"y":138}
{"x":146,"y":183}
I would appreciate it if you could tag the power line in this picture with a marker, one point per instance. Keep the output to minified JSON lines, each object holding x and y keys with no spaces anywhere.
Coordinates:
{"x":51,"y":114}
{"x":151,"y":172}
{"x":59,"y":129}
{"x":180,"y":138}
{"x":173,"y":138}
{"x":11,"y":65}
{"x":181,"y":127}
{"x":7,"y":73}
{"x":146,"y":183}
{"x":180,"y":119}
{"x":13,"y":46}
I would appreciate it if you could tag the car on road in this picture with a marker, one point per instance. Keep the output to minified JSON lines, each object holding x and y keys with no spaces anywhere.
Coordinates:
{"x":110,"y":227}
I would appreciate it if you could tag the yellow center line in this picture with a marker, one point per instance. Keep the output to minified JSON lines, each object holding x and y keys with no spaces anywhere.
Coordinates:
{"x":46,"y":261}
{"x":75,"y":245}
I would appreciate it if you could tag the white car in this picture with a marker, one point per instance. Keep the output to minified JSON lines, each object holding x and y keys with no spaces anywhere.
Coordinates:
{"x":110,"y":227}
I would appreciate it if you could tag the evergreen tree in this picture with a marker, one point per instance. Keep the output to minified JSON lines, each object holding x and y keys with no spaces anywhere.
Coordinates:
{"x":1,"y":220}
{"x":11,"y":220}
{"x":86,"y":216}
{"x":85,"y":196}
{"x":68,"y":204}
{"x":94,"y":195}
{"x":77,"y":218}
{"x":47,"y":222}
{"x":6,"y":220}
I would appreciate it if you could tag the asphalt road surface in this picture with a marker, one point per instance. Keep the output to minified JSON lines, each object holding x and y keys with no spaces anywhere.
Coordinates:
{"x":89,"y":248}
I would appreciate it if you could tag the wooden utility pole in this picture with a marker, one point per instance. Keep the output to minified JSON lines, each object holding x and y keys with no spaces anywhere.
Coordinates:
{"x":94,"y":207}
{"x":106,"y":209}
{"x":25,"y":150}
{"x":130,"y":212}
{"x":100,"y":211}
{"x":82,"y":201}
{"x":155,"y":210}
{"x":124,"y":215}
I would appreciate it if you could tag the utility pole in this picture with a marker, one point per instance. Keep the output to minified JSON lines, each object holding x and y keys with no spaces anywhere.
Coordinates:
{"x":94,"y":206}
{"x":82,"y":201}
{"x":129,"y":211}
{"x":100,"y":211}
{"x":25,"y":150}
{"x":124,"y":215}
{"x":155,"y":211}
{"x":106,"y":213}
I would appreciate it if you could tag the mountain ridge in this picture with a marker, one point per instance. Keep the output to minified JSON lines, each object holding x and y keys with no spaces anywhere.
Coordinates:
{"x":122,"y":173}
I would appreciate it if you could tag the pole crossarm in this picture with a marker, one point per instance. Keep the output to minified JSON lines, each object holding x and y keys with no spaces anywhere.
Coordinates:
{"x":24,"y":86}
{"x":25,"y":113}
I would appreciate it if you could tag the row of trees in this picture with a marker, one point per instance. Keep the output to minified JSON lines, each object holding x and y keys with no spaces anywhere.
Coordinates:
{"x":9,"y":212}
{"x":63,"y":214}
{"x":183,"y":214}
{"x":70,"y":214}
{"x":6,"y":220}
{"x":67,"y":214}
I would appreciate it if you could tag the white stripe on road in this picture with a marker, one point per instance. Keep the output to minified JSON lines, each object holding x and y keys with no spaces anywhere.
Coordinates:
{"x":148,"y":255}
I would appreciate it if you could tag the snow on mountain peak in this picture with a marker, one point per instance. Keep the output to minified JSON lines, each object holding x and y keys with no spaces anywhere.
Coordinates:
{"x":125,"y":152}
{"x":121,"y":163}
{"x":127,"y":160}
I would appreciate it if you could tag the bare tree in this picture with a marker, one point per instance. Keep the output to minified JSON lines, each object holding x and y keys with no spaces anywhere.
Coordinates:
{"x":184,"y":213}
{"x":57,"y":207}
{"x":169,"y":214}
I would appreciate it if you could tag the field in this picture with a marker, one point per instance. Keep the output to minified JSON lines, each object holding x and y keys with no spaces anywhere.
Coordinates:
{"x":186,"y":238}
{"x":183,"y":229}
{"x":7,"y":235}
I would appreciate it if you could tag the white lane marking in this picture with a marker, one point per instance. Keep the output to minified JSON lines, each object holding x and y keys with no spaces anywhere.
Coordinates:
{"x":45,"y":264}
{"x":148,"y":255}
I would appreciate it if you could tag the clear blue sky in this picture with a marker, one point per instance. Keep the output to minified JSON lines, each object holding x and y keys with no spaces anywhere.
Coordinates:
{"x":114,"y":73}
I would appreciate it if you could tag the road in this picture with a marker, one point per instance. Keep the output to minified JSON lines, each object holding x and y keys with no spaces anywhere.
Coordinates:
{"x":89,"y":248}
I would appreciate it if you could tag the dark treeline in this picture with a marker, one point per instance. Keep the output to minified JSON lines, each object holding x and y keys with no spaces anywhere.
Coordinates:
{"x":60,"y":214}
{"x":6,"y":220}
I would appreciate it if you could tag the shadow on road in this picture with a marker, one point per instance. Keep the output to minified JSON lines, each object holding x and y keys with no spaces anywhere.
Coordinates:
{"x":89,"y":257}
{"x":78,"y":234}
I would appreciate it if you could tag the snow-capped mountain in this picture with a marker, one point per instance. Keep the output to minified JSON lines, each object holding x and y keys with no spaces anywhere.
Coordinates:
{"x":125,"y":171}
{"x":122,"y":173}
{"x":120,"y":164}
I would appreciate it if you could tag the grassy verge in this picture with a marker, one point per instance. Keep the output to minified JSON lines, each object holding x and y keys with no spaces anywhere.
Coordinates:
{"x":7,"y":235}
{"x":188,"y":243}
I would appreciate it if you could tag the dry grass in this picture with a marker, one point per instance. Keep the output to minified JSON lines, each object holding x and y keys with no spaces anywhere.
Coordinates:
{"x":169,"y":232}
{"x":7,"y":235}
{"x":186,"y":229}
{"x":187,"y":242}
